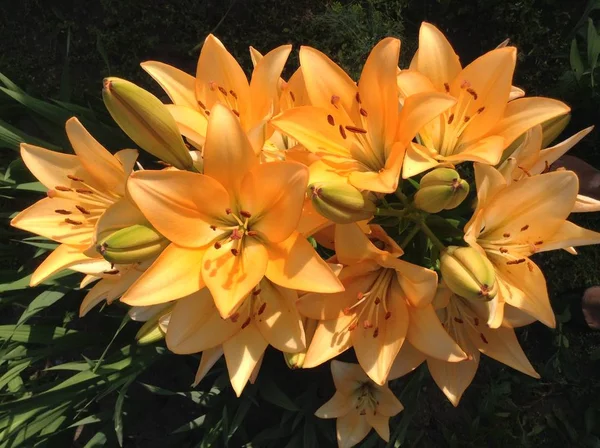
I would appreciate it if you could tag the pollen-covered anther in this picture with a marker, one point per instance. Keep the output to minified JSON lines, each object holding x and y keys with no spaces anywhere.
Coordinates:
{"x":237,"y":114}
{"x":506,"y":235}
{"x":363,"y":112}
{"x":472,"y":92}
{"x":358,"y":98}
{"x":519,"y":261}
{"x":233,"y":94}
{"x":342,"y":132}
{"x":347,"y":311}
{"x":447,"y":87}
{"x":450,"y":118}
{"x":481,"y":109}
{"x":62,"y":212}
{"x":353,"y":325}
{"x":537,"y":243}
{"x":82,"y":210}
{"x":246,"y":323}
{"x":235,"y":252}
{"x":292,"y":96}
{"x":483,"y":338}
{"x":213,"y":228}
{"x":217,"y":245}
{"x":201,"y":104}
{"x":467,"y":118}
{"x":73,"y":222}
{"x":330,"y":120}
{"x":212,"y":86}
{"x":61,"y":188}
{"x":376,"y":332}
{"x":245,"y":214}
{"x":234,"y":317}
{"x":356,"y":130}
{"x":387,"y":315}
{"x":256,"y":292}
{"x":74,"y":178}
{"x":377,"y":301}
{"x":261,"y":309}
{"x":228,"y":211}
{"x":476,"y":321}
{"x":335,"y":100}
{"x":525,"y":227}
{"x":530,"y":266}
{"x":458,"y":320}
{"x":367,"y":324}
{"x":83,"y":191}
{"x":503,"y":250}
{"x":222,"y":90}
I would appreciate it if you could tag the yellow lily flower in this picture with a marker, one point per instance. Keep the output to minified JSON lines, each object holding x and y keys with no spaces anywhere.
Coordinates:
{"x":230,"y":226}
{"x":220,"y":79}
{"x":86,"y":197}
{"x":386,"y":300}
{"x":210,"y":357}
{"x":267,"y":316}
{"x":485,"y":119}
{"x":358,"y":405}
{"x":465,"y":321}
{"x":508,"y":233}
{"x":529,"y":159}
{"x":358,"y":130}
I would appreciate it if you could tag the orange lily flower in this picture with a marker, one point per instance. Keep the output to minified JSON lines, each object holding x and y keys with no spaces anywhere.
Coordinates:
{"x":465,"y":321}
{"x":220,"y":79}
{"x":358,"y":405}
{"x":484,"y":120}
{"x":358,"y":131}
{"x":386,"y":300}
{"x":230,"y":226}
{"x":529,"y":159}
{"x":86,"y":197}
{"x":508,"y":234}
{"x":267,"y":316}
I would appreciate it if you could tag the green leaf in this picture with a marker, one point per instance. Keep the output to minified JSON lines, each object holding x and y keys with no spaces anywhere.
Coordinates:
{"x":274,"y":395}
{"x":190,"y":426}
{"x":119,"y":410}
{"x":98,"y":440}
{"x":36,"y":335}
{"x":593,"y":42}
{"x":575,"y":59}
{"x":41,"y":302}
{"x":11,"y":137}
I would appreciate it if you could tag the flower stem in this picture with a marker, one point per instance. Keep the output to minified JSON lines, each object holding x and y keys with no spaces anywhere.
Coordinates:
{"x":409,"y":236}
{"x":389,"y":212}
{"x":427,"y":231}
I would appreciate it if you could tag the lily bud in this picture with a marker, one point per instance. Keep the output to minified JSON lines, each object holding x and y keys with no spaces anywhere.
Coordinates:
{"x":296,"y":360}
{"x":146,"y":120}
{"x":149,"y":332}
{"x":132,"y":244}
{"x":441,"y":189}
{"x":340,"y":202}
{"x":468,"y":273}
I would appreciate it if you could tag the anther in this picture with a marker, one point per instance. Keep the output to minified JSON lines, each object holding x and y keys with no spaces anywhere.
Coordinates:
{"x":447,"y":87}
{"x":335,"y":100}
{"x":353,"y":325}
{"x":525,"y":227}
{"x":62,"y":212}
{"x":82,"y":210}
{"x":330,"y":120}
{"x":472,"y":93}
{"x":506,"y":235}
{"x":233,"y":94}
{"x":251,"y":233}
{"x":235,"y":252}
{"x":363,"y":112}
{"x":228,"y":211}
{"x":262,"y":308}
{"x":481,"y":109}
{"x":73,"y":222}
{"x":112,"y":272}
{"x":212,"y":85}
{"x":377,"y":301}
{"x":76,"y":179}
{"x":237,"y":114}
{"x":234,"y":317}
{"x":537,"y":243}
{"x":450,"y":118}
{"x":347,"y":311}
{"x":356,"y":130}
{"x":246,"y":323}
{"x":292,"y":96}
{"x":84,"y":191}
{"x":367,"y":324}
{"x":342,"y":132}
{"x":483,"y":338}
{"x":213,"y":227}
{"x":363,"y":412}
{"x":388,"y":315}
{"x":519,"y":261}
{"x":245,"y":214}
{"x":530,"y":266}
{"x":465,"y":84}
{"x":467,"y":118}
{"x":207,"y":112}
{"x":201,"y":104}
{"x":256,"y":292}
{"x":460,"y":321}
{"x":476,"y":321}
{"x":376,"y":332}
{"x":217,"y":245}
{"x":358,"y":98}
{"x":222,"y":90}
{"x":61,"y":188}
{"x":503,"y":250}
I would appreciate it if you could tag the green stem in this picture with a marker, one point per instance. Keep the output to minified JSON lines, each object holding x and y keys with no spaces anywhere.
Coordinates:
{"x":389,"y":212}
{"x":427,"y":231}
{"x":409,"y":236}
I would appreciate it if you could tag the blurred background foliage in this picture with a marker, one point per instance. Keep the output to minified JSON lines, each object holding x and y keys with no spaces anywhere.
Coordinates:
{"x":66,"y":381}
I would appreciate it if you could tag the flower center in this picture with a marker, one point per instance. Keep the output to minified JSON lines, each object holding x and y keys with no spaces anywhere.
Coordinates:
{"x":253,"y":306}
{"x":371,"y":304}
{"x":226,"y":97}
{"x":235,"y":233}
{"x":459,"y":315}
{"x":366,"y":401}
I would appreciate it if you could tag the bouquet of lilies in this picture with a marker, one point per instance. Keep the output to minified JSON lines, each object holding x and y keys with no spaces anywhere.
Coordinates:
{"x":395,"y":216}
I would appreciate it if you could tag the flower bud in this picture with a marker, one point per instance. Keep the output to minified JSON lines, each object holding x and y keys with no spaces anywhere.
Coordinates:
{"x":468,"y":273}
{"x":146,"y":120}
{"x":132,"y":244}
{"x":441,"y":189}
{"x":340,"y":202}
{"x":149,"y":332}
{"x":296,"y":360}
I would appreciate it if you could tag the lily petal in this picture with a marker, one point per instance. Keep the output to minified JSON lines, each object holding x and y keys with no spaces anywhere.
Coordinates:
{"x":436,"y":58}
{"x":417,"y":160}
{"x":207,"y":361}
{"x":353,"y":246}
{"x":330,"y":339}
{"x":174,"y":274}
{"x":294,"y":264}
{"x":64,"y":257}
{"x":339,"y":405}
{"x":408,"y":359}
{"x":121,"y":214}
{"x":411,"y":82}
{"x":570,"y":235}
{"x":487,"y":150}
{"x":381,"y":424}
{"x":351,"y":429}
{"x":453,"y":378}
{"x":242,"y":353}
{"x":177,"y":84}
{"x":191,"y":123}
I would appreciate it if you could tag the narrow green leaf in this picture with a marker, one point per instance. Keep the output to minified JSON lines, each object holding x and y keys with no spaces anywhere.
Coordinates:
{"x":119,"y":410}
{"x":41,"y":302}
{"x":575,"y":59}
{"x":97,"y":441}
{"x":194,"y":424}
{"x":593,"y":42}
{"x":274,"y":395}
{"x":11,"y":138}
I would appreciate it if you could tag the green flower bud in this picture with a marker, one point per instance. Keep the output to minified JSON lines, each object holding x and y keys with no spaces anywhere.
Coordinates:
{"x":340,"y":202}
{"x":441,"y":189}
{"x":149,"y":333}
{"x":468,"y":273}
{"x":132,"y":244}
{"x":146,"y":120}
{"x":294,"y":360}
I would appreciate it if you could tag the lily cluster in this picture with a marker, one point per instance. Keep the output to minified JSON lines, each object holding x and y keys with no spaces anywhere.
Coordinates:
{"x":395,"y":216}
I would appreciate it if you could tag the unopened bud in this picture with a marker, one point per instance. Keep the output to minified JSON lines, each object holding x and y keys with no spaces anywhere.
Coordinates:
{"x":149,"y":333}
{"x":441,"y":189}
{"x":296,"y":360}
{"x":132,"y":244}
{"x":340,"y":202}
{"x":468,"y":273}
{"x":146,"y":120}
